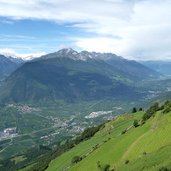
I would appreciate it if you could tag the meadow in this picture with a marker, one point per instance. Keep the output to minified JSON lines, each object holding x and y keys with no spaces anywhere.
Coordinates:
{"x":146,"y":147}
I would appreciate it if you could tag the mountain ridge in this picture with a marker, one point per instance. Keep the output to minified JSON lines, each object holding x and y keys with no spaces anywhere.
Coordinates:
{"x":61,"y":76}
{"x":8,"y":65}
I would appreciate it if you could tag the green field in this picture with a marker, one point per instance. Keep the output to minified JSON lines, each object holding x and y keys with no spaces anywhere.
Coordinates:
{"x":147,"y":147}
{"x":40,"y":121}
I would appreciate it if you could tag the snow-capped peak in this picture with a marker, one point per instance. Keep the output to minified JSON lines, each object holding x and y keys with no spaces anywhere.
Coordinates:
{"x":12,"y":57}
{"x":9,"y":55}
{"x":83,"y":55}
{"x":67,"y":51}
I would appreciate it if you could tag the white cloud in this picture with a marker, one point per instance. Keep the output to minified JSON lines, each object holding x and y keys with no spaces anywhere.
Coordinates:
{"x":7,"y":50}
{"x":66,"y":10}
{"x":98,"y":44}
{"x":132,"y":28}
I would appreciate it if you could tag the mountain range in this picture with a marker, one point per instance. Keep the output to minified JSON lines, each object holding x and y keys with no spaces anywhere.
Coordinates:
{"x":8,"y":65}
{"x":164,"y":67}
{"x":70,"y":76}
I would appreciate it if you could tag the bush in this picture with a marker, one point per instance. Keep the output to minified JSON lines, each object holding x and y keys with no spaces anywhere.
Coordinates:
{"x":144,"y":153}
{"x":140,"y":109}
{"x":106,"y":167}
{"x":167,"y":103}
{"x":166,"y":110}
{"x":162,"y":107}
{"x":134,"y":110}
{"x":142,"y":122}
{"x":164,"y":169}
{"x":124,"y":131}
{"x":151,"y":111}
{"x":76,"y":159}
{"x":127,"y":161}
{"x":95,"y":147}
{"x":88,"y":133}
{"x":98,"y":165}
{"x":135,"y":123}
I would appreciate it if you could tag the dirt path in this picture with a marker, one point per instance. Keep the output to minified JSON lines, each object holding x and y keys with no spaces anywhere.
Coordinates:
{"x":132,"y":146}
{"x":9,"y":144}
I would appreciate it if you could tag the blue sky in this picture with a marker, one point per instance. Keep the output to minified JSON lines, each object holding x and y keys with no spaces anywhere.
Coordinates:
{"x":135,"y":29}
{"x":31,"y":36}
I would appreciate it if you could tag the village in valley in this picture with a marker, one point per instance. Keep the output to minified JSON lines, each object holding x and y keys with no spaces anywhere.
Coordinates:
{"x":8,"y":133}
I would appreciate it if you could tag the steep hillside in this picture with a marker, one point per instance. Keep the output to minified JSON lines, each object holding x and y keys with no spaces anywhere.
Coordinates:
{"x":70,"y":76}
{"x":129,"y":68}
{"x":163,"y":67}
{"x":124,"y":144}
{"x":132,"y":68}
{"x":8,"y":65}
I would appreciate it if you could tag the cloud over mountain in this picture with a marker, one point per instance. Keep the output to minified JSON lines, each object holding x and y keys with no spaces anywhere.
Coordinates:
{"x":134,"y":28}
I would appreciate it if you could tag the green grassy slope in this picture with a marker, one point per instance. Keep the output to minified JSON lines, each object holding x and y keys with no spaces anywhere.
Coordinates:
{"x":147,"y":147}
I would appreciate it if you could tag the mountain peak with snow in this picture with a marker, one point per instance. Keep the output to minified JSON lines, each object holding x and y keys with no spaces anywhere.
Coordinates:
{"x":9,"y":55}
{"x":83,"y":55}
{"x":12,"y":57}
{"x":67,"y":51}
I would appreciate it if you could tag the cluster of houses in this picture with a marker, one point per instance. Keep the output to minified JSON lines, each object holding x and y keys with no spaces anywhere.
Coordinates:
{"x":8,"y":133}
